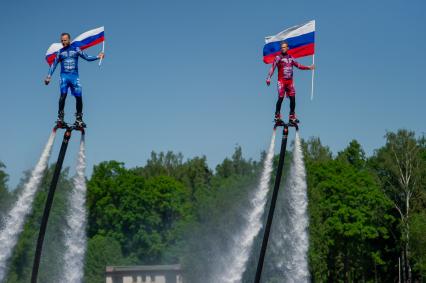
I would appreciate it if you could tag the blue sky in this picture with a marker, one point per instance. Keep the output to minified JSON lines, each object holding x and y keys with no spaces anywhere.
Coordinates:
{"x":188,"y":76}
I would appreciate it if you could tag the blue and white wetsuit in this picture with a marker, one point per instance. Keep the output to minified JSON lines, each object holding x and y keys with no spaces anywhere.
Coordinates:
{"x":68,"y":56}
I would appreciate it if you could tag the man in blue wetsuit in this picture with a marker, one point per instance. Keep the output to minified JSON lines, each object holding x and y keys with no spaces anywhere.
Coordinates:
{"x":68,"y":56}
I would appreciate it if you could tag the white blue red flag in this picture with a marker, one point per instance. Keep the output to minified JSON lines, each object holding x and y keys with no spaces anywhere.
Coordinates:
{"x":300,"y":39}
{"x":83,"y":41}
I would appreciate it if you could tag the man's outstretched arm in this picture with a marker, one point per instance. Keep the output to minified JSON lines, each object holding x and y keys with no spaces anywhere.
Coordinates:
{"x":89,"y":57}
{"x":303,"y":67}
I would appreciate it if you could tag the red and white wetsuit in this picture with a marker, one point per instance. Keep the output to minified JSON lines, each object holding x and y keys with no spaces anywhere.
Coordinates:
{"x":285,"y":63}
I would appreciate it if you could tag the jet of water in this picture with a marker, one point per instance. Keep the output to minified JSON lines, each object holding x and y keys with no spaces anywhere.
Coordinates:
{"x":291,"y":241}
{"x":239,"y":255}
{"x":75,"y":233}
{"x":15,"y":219}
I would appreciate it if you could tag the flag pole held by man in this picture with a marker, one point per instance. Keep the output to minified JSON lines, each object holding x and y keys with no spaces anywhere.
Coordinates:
{"x":67,"y":54}
{"x":281,"y":50}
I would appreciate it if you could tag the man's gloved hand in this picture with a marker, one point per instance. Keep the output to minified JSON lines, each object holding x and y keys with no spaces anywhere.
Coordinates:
{"x":47,"y":80}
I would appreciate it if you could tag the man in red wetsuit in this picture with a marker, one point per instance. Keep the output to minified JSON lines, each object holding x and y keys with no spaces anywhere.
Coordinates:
{"x":285,"y":63}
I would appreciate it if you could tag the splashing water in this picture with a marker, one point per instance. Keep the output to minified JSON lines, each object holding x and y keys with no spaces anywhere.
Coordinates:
{"x":291,"y":240}
{"x":15,"y":219}
{"x":75,"y":233}
{"x":239,"y":255}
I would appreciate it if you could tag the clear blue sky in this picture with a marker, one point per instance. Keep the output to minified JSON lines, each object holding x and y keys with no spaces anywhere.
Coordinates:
{"x":188,"y":76}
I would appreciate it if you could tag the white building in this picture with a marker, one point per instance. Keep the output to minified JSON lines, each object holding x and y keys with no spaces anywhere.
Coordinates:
{"x":144,"y":274}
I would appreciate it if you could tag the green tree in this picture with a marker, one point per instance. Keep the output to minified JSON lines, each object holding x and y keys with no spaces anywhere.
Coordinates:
{"x":349,"y":219}
{"x":162,"y":164}
{"x":237,"y":165}
{"x":101,"y":252}
{"x":418,"y":243}
{"x":219,"y":212}
{"x":145,"y":216}
{"x":20,"y":265}
{"x":4,"y":192}
{"x":194,"y":173}
{"x":354,"y":155}
{"x":315,"y":151}
{"x":401,"y":169}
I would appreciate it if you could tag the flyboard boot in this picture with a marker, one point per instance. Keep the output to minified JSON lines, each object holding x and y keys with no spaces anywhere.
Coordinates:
{"x":278,"y":121}
{"x":60,"y":123}
{"x":79,"y":121}
{"x":292,"y":119}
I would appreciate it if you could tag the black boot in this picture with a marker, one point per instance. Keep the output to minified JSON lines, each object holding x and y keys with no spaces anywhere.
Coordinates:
{"x":79,"y":120}
{"x":60,"y":122}
{"x":277,"y":117}
{"x":278,"y":121}
{"x":292,"y":118}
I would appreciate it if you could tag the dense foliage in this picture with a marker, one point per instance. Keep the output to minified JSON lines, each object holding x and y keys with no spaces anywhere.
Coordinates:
{"x":367,"y":214}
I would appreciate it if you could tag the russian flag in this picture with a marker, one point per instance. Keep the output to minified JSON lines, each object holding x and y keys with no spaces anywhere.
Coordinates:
{"x":51,"y":52}
{"x":83,"y":41}
{"x":301,"y":41}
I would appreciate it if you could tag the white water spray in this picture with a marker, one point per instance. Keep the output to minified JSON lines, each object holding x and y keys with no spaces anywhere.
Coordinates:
{"x":75,"y":233}
{"x":15,"y":219}
{"x":291,"y":240}
{"x":239,"y":255}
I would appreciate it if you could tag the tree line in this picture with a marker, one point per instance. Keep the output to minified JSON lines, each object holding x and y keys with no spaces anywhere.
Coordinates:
{"x":367,"y":214}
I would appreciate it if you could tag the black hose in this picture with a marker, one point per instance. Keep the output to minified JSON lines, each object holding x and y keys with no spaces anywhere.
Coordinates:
{"x":272,"y":207}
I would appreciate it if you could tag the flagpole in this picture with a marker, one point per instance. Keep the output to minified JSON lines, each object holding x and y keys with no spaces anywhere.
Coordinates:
{"x":313,"y":75}
{"x":103,"y":48}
